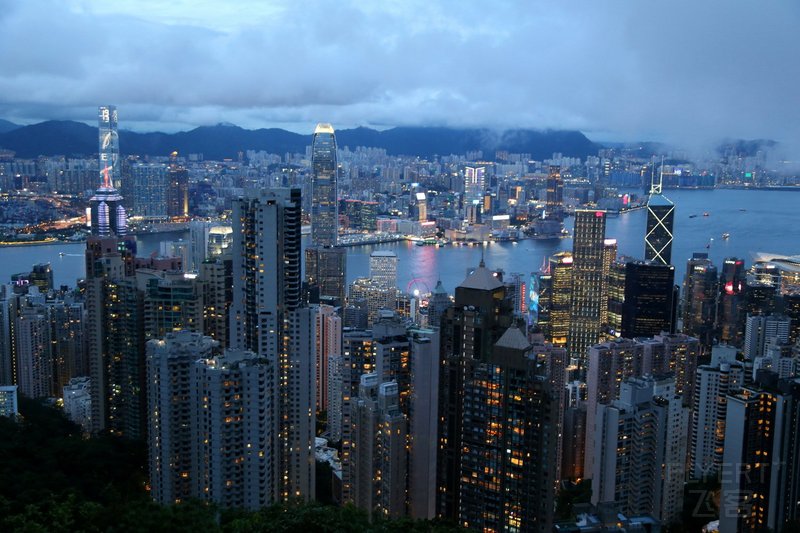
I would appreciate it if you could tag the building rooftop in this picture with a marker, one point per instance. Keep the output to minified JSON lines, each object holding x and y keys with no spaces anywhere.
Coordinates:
{"x":481,"y":279}
{"x":323,"y":127}
{"x":513,"y":338}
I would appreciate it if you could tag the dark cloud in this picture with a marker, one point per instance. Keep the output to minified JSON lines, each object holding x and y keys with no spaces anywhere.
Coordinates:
{"x":683,"y":72}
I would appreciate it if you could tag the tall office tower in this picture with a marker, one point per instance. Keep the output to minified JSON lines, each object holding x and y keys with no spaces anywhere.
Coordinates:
{"x":108,"y":216}
{"x":379,"y":456}
{"x":791,"y":308}
{"x":587,"y":283}
{"x":761,"y":467}
{"x":700,"y":299}
{"x":648,"y":307}
{"x":34,"y":356}
{"x":494,"y":469}
{"x":383,"y":268}
{"x":616,"y":298}
{"x":377,"y":297}
{"x":723,"y":376}
{"x":327,"y":345}
{"x":761,"y":330}
{"x":41,"y":276}
{"x":759,"y":298}
{"x":660,"y":218}
{"x":177,"y":193}
{"x":517,"y":287}
{"x":423,"y":422}
{"x":730,"y":300}
{"x":172,"y":302}
{"x":422,"y":206}
{"x":326,"y":274}
{"x":109,"y":145}
{"x":68,"y":341}
{"x":266,"y":318}
{"x":640,"y":450}
{"x":608,"y":365}
{"x":358,"y":358}
{"x":216,"y":281}
{"x":324,"y":192}
{"x":474,"y":184}
{"x":554,"y":197}
{"x":437,"y":305}
{"x":609,"y":258}
{"x":171,"y":434}
{"x":150,"y":185}
{"x":555,"y":299}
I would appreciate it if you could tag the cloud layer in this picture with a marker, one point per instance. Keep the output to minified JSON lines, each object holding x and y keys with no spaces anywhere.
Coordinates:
{"x":684,"y":71}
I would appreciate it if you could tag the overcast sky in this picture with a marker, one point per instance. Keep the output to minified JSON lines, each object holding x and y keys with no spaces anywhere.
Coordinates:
{"x":677,"y":71}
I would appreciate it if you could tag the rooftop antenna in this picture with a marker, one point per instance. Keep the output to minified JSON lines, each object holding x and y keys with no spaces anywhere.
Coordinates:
{"x":482,"y":263}
{"x":655,"y":187}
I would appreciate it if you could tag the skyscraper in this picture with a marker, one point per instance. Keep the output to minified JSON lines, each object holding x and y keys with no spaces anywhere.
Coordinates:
{"x":660,"y":217}
{"x":325,"y":205}
{"x":266,"y":318}
{"x":474,"y":184}
{"x":587,"y":283}
{"x":326,"y":272}
{"x":648,"y":307}
{"x":177,"y":194}
{"x":107,"y":213}
{"x":554,"y":199}
{"x":326,"y":266}
{"x":383,"y":268}
{"x":497,"y":429}
{"x":730,"y":301}
{"x":641,"y":450}
{"x":555,"y":298}
{"x":700,"y":298}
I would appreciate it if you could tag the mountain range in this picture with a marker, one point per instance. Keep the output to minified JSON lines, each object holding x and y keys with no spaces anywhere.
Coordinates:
{"x":222,"y":141}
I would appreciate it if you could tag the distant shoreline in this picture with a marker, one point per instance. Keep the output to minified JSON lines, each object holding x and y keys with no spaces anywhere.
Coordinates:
{"x":46,"y":242}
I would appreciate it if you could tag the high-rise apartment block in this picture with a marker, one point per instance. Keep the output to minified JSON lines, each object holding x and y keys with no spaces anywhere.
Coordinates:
{"x":266,"y":318}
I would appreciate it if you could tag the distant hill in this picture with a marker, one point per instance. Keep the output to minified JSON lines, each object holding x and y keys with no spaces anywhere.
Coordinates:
{"x":5,"y":126}
{"x":225,"y":141}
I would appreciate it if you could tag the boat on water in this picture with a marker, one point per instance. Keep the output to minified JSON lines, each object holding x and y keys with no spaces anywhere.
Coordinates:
{"x":706,"y":214}
{"x":726,"y":235}
{"x":692,"y":216}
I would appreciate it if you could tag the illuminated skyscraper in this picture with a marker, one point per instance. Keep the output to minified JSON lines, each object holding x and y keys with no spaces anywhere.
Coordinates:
{"x":589,"y":255}
{"x":108,"y":216}
{"x":495,"y":470}
{"x":555,"y":299}
{"x":325,"y":205}
{"x":554,"y":198}
{"x":474,"y":183}
{"x":325,"y":271}
{"x":730,"y":302}
{"x":109,"y":145}
{"x":383,"y":268}
{"x":660,"y":217}
{"x":700,"y":298}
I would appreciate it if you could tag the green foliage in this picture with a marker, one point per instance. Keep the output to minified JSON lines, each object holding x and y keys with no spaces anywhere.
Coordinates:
{"x":571,"y":494}
{"x":53,"y":479}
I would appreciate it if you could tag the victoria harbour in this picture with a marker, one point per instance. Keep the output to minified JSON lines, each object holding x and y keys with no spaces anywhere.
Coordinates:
{"x":756,"y":220}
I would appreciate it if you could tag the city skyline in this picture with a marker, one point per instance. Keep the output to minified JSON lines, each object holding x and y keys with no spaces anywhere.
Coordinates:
{"x":665,"y":90}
